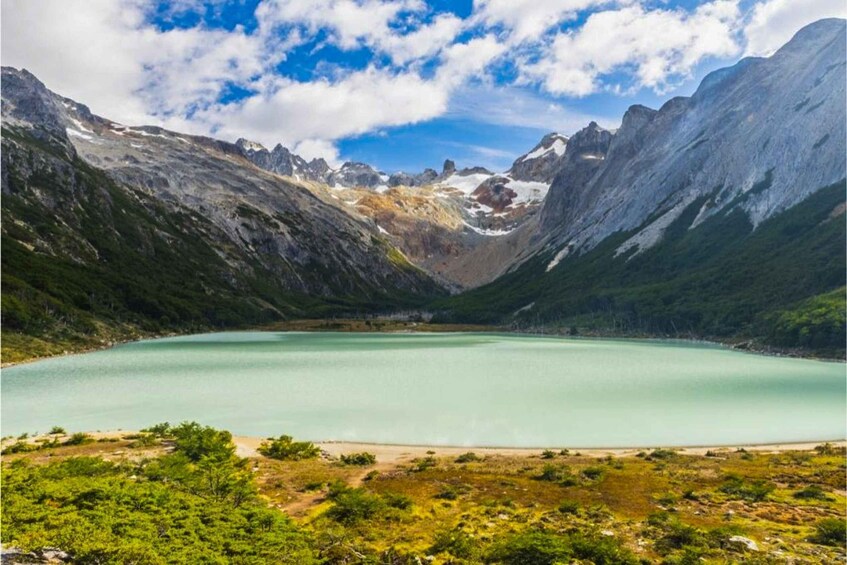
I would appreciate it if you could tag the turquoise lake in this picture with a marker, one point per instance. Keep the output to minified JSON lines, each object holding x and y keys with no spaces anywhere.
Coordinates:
{"x":436,"y":389}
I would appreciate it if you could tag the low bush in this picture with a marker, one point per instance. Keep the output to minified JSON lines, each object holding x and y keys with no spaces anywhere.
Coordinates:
{"x":360,"y":459}
{"x":286,"y":449}
{"x":811,"y":492}
{"x":455,"y":542}
{"x":831,"y":531}
{"x":354,"y":505}
{"x":468,"y":457}
{"x":755,"y":490}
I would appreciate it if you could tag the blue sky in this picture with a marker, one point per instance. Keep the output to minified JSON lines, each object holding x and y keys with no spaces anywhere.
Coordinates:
{"x":400,"y":84}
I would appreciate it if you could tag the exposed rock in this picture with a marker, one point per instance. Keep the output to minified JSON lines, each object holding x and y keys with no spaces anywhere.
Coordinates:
{"x":542,"y":161}
{"x":746,"y":543}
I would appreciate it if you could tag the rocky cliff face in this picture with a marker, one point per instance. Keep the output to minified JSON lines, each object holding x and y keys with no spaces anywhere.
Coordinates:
{"x":760,"y":136}
{"x":542,"y":162}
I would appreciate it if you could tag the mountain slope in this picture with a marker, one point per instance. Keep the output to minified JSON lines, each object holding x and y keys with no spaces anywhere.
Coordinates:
{"x":109,"y":229}
{"x":711,"y":216}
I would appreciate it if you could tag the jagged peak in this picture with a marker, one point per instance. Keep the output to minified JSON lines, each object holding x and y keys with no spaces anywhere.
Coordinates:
{"x":247,"y":145}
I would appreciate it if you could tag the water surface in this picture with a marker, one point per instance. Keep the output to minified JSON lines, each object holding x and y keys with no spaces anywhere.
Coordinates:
{"x":436,"y":389}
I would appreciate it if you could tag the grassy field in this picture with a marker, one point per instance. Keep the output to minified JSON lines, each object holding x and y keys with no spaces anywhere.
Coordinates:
{"x":656,"y":506}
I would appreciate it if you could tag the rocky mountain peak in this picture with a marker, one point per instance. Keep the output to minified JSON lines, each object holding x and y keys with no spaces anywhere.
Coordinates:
{"x":448,"y":169}
{"x":247,"y":145}
{"x":542,"y":161}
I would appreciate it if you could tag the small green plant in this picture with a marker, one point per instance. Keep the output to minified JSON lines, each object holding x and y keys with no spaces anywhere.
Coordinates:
{"x":362,"y":459}
{"x":548,"y":454}
{"x":354,"y":505}
{"x":468,"y":457}
{"x":422,"y":464}
{"x":18,"y":447}
{"x":593,"y":473}
{"x":395,"y":500}
{"x":455,"y":542}
{"x":57,"y":431}
{"x":286,"y":449}
{"x":754,"y":491}
{"x":831,"y":531}
{"x":569,"y":507}
{"x":371,"y":475}
{"x":811,"y":492}
{"x":79,"y":438}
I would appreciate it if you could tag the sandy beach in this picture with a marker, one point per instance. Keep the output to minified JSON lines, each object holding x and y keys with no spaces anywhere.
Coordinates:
{"x":390,"y":453}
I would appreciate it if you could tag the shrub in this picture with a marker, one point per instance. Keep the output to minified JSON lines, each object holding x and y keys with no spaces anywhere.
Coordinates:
{"x":569,"y":507}
{"x":286,"y":449}
{"x":18,"y":447}
{"x":811,"y":492}
{"x":159,"y":430}
{"x":424,"y":463}
{"x":395,"y":500}
{"x":548,"y":454}
{"x":661,"y":454}
{"x":831,"y":531}
{"x":468,"y":457}
{"x":361,"y":459}
{"x":593,"y":473}
{"x":78,"y":438}
{"x":196,"y":441}
{"x":551,"y":473}
{"x":57,"y":431}
{"x":541,"y":548}
{"x":354,"y":505}
{"x":754,"y":491}
{"x":455,"y":542}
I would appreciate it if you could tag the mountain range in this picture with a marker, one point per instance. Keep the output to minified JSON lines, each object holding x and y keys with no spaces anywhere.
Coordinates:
{"x":718,"y":215}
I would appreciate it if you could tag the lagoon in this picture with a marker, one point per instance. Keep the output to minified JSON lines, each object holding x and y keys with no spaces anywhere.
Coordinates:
{"x":436,"y":389}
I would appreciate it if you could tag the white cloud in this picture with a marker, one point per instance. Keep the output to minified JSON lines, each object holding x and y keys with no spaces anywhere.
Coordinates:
{"x":518,"y":107}
{"x":318,"y":148}
{"x":530,"y":19}
{"x":105,"y":54}
{"x":656,"y":46}
{"x":109,"y":55}
{"x":360,"y":102}
{"x":774,"y":22}
{"x":390,"y":27}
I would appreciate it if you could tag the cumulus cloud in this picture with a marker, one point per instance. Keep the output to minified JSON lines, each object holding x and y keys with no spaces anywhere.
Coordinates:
{"x":658,"y":45}
{"x":392,"y":27}
{"x":530,"y":19}
{"x":412,"y":63}
{"x":774,"y":22}
{"x":324,"y":110}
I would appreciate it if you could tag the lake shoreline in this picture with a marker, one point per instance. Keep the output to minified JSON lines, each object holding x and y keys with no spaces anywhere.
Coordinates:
{"x":400,"y":452}
{"x":347,"y":326}
{"x":247,"y":446}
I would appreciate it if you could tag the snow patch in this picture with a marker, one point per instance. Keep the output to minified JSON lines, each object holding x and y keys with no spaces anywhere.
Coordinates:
{"x":79,"y":125}
{"x":652,"y":234}
{"x":558,"y":147}
{"x":563,"y":252}
{"x":467,"y":184}
{"x":75,"y":133}
{"x":489,"y":233}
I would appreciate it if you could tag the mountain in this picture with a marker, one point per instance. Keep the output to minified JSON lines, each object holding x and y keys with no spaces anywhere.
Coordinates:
{"x":108,"y":229}
{"x":542,"y":161}
{"x":718,"y":214}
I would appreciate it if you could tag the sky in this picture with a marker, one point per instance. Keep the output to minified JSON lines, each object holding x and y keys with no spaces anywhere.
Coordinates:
{"x":399,"y":84}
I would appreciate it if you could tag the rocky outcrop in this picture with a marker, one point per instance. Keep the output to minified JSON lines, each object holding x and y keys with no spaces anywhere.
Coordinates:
{"x":352,"y":174}
{"x":542,"y":161}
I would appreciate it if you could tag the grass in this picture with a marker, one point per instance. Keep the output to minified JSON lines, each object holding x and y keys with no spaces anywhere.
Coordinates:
{"x":650,"y":508}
